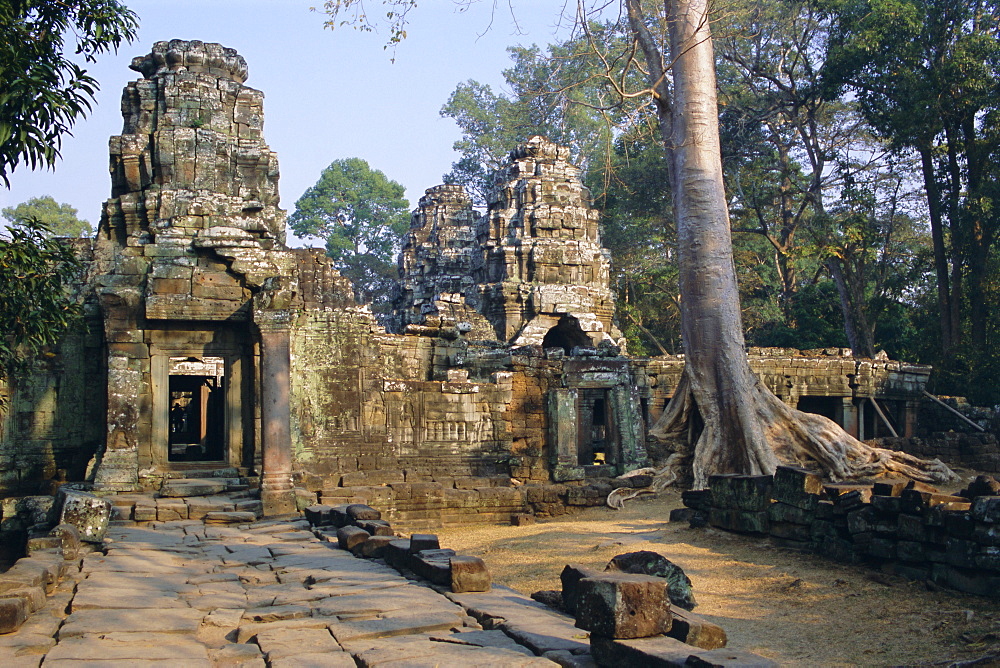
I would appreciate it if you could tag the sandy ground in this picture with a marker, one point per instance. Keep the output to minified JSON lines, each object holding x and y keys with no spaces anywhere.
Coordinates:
{"x":797,"y":609}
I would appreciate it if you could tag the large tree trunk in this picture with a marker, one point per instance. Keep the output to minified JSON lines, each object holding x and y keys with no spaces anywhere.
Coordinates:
{"x":747,"y":429}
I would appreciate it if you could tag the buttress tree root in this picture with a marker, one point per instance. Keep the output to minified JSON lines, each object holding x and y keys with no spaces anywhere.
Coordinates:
{"x":792,"y":437}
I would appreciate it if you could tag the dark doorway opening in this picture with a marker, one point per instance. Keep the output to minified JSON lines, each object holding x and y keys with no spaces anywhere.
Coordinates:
{"x":567,"y":334}
{"x":197,"y":411}
{"x":594,"y":434}
{"x":826,"y":406}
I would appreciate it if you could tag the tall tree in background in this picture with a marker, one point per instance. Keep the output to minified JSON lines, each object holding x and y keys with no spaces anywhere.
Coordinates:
{"x":360,"y":215}
{"x":927,"y":76}
{"x":60,"y":220}
{"x":36,"y":310}
{"x":43,"y":92}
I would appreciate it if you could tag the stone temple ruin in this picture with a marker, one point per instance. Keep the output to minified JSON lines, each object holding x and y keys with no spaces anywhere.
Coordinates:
{"x":501,"y":386}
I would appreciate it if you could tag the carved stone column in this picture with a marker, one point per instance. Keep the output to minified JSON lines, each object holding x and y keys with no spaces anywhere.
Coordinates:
{"x":276,"y":491}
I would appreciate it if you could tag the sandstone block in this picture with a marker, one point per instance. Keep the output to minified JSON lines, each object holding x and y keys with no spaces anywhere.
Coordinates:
{"x":375,"y":527}
{"x":618,"y":605}
{"x":318,"y":515}
{"x":360,"y":511}
{"x":13,"y":613}
{"x":90,"y":514}
{"x":645,"y":562}
{"x":423,"y":541}
{"x":570,"y":578}
{"x":695,"y":630}
{"x":374,"y":547}
{"x":180,"y":487}
{"x":350,"y":537}
{"x":469,"y":573}
{"x":69,"y":540}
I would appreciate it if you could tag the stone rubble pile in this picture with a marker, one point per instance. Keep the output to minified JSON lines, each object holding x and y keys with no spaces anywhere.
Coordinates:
{"x":900,"y":526}
{"x":632,"y":622}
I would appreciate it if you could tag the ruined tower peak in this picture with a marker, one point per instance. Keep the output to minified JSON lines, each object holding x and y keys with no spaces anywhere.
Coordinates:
{"x":179,"y":55}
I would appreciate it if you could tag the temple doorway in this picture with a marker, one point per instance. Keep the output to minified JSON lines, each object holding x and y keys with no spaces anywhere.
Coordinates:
{"x":197,"y":413}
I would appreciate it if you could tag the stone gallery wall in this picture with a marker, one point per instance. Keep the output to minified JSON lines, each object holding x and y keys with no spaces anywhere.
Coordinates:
{"x":902,"y":527}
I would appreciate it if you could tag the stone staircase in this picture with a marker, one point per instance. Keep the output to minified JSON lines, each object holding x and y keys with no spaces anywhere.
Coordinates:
{"x":212,"y":495}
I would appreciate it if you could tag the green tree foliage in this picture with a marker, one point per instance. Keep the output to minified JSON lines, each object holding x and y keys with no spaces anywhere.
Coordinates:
{"x":36,"y":309}
{"x":361,"y":216}
{"x":926,"y":74}
{"x":60,"y":220}
{"x":42,"y":92}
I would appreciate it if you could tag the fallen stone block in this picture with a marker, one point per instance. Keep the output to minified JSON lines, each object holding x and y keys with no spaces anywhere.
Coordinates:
{"x":13,"y":612}
{"x":620,"y":605}
{"x":69,"y":540}
{"x":350,"y":537}
{"x":645,"y":562}
{"x":423,"y":541}
{"x":570,"y":578}
{"x":375,"y":527}
{"x":695,"y":630}
{"x":90,"y":514}
{"x":360,"y":511}
{"x":433,"y":565}
{"x":34,"y":597}
{"x":397,"y":553}
{"x":374,"y":547}
{"x":468,"y":574}
{"x":318,"y":515}
{"x":522,"y":519}
{"x":339,"y":516}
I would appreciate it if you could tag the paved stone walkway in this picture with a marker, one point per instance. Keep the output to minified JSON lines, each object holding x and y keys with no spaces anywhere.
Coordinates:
{"x":183,"y":593}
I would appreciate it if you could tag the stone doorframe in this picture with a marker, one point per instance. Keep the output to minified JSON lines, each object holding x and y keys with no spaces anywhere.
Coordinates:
{"x":238,"y":371}
{"x":626,"y":431}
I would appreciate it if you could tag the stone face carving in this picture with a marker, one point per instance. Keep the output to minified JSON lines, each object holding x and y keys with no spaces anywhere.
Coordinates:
{"x":533,"y":265}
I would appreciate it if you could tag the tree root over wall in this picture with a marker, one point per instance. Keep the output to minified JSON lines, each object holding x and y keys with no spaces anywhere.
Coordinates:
{"x":791,"y":437}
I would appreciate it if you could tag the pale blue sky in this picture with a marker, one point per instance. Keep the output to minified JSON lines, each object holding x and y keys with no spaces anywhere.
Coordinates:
{"x":328,"y":94}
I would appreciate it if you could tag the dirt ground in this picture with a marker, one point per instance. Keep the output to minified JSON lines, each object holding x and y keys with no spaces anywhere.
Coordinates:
{"x":798,"y":609}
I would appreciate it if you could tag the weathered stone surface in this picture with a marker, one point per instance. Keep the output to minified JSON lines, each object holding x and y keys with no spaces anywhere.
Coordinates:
{"x":374,"y":547}
{"x":97,"y":621}
{"x":570,"y":578}
{"x":13,"y":612}
{"x":284,"y":643}
{"x":243,"y":655}
{"x":619,"y":605}
{"x":181,"y":487}
{"x":375,"y":527}
{"x":665,"y":652}
{"x":695,"y":630}
{"x":468,"y":574}
{"x":88,"y":513}
{"x":386,"y":627}
{"x":350,"y":537}
{"x":360,"y":511}
{"x":645,"y":562}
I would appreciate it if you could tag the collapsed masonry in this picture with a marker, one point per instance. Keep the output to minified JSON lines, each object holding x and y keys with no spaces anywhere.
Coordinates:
{"x":214,"y":345}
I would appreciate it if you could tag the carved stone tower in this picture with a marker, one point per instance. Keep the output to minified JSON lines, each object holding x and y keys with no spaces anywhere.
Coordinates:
{"x":193,"y":277}
{"x":531,"y":271}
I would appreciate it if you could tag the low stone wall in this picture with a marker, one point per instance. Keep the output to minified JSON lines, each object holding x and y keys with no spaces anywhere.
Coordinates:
{"x":901,"y":527}
{"x":490,"y":500}
{"x":978,"y":450}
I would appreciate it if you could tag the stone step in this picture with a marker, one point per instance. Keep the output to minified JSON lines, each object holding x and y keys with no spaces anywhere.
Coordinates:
{"x":228,"y":472}
{"x":179,"y":487}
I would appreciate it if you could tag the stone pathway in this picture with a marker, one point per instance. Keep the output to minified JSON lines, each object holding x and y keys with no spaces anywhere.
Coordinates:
{"x":183,"y":593}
